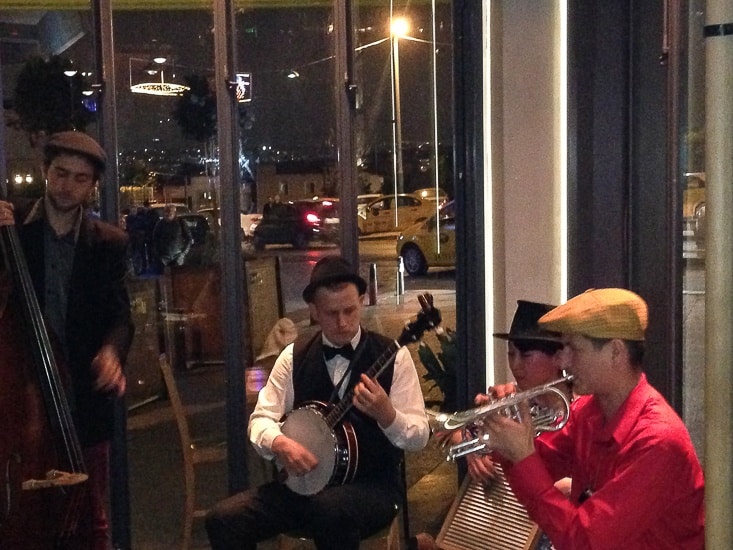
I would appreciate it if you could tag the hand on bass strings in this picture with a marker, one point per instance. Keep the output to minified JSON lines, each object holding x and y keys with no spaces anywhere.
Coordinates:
{"x":293,"y":457}
{"x":108,"y":370}
{"x":6,"y":214}
{"x":371,"y":399}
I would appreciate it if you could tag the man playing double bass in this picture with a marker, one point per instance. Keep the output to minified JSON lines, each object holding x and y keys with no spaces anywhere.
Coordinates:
{"x":78,"y":266}
{"x":388,"y":417}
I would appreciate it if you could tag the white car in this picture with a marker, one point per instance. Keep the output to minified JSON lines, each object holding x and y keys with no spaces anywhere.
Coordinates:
{"x":247,"y":221}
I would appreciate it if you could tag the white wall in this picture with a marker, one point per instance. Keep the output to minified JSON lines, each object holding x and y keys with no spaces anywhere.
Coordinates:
{"x":527,"y":250}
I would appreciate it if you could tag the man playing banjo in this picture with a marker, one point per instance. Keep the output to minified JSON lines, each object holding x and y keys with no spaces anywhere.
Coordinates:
{"x":384,"y":417}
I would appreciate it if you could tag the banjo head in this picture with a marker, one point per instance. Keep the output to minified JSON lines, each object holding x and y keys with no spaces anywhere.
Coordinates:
{"x":308,"y":427}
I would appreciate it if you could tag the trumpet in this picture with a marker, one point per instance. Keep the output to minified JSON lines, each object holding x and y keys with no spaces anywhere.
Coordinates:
{"x":471,"y":422}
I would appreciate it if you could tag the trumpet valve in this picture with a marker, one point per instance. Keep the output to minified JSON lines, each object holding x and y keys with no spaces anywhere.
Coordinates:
{"x":479,"y":444}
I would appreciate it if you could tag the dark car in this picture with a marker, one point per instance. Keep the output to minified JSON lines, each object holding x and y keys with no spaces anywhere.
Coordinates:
{"x":159,"y":208}
{"x":298,"y":223}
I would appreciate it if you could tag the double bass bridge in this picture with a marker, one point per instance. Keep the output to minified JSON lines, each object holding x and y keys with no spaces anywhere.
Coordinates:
{"x":54,"y":478}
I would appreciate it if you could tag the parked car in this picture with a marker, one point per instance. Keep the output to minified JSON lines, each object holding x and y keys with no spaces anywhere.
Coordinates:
{"x":418,"y":245}
{"x":429,"y":193}
{"x":160,"y":206}
{"x":298,"y":223}
{"x":693,"y":216}
{"x":363,"y":200}
{"x":247,"y":221}
{"x":380,"y":214}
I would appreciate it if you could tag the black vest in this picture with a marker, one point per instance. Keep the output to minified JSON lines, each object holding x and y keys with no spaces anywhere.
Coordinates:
{"x":378,"y":458}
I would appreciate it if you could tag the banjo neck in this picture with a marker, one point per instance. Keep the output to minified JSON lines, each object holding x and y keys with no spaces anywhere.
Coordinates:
{"x":339,"y":410}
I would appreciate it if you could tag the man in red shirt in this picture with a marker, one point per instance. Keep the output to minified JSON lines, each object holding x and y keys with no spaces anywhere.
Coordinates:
{"x":637,"y":482}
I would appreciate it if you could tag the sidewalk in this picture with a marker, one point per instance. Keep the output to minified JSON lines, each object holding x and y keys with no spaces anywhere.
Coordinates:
{"x":155,"y":461}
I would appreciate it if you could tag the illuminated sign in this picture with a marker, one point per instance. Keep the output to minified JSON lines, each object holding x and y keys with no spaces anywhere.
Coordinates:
{"x":244,"y":87}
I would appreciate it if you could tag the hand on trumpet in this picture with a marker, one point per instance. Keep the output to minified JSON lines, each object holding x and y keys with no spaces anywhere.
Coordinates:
{"x":480,"y":466}
{"x":512,"y":437}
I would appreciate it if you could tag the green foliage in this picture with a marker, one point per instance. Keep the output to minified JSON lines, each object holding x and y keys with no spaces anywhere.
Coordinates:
{"x":48,"y":101}
{"x":195,"y":111}
{"x":441,"y":367}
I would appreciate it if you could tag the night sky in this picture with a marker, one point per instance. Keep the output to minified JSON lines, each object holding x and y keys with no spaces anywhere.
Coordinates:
{"x":292,"y":114}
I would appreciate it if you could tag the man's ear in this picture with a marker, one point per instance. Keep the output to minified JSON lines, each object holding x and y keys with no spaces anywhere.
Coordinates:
{"x":618,"y":349}
{"x":313,"y":311}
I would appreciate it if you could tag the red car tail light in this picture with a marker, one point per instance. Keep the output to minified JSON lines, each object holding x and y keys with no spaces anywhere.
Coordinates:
{"x":312,"y":218}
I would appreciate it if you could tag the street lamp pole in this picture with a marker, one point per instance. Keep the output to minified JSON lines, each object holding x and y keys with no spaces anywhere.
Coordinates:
{"x":398,"y":28}
{"x":71,"y":73}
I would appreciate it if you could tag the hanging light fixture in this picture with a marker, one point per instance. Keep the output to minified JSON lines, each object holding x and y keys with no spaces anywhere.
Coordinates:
{"x":157,"y":87}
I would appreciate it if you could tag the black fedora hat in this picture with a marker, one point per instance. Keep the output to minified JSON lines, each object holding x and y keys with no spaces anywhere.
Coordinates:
{"x":524,"y":325}
{"x":330,"y":270}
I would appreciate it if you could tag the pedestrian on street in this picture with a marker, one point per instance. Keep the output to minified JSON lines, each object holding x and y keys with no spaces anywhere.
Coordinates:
{"x":172,"y":239}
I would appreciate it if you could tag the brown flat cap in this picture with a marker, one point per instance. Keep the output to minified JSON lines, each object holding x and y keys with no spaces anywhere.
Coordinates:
{"x":600,"y":313}
{"x":78,"y":143}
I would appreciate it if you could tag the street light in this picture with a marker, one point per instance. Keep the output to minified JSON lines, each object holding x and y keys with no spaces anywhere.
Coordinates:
{"x":398,"y":28}
{"x":71,"y":73}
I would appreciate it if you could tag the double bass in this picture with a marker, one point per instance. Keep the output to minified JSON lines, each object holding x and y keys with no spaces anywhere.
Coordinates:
{"x":42,"y":490}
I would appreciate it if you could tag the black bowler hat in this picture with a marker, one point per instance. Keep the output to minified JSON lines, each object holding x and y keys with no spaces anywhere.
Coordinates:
{"x":330,"y":270}
{"x":524,"y":325}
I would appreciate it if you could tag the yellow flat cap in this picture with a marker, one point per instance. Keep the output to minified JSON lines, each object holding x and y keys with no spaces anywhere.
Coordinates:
{"x":600,"y":313}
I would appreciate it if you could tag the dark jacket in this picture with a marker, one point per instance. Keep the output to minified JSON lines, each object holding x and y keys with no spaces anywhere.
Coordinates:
{"x":171,"y":239}
{"x":98,"y":313}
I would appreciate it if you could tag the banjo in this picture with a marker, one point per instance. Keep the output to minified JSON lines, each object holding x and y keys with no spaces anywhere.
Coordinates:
{"x":320,"y":427}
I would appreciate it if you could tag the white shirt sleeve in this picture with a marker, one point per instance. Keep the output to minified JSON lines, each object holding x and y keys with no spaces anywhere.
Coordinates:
{"x":410,"y":430}
{"x":273,"y":401}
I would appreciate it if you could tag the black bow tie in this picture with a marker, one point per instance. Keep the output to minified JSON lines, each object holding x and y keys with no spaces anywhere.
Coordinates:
{"x":347,"y":352}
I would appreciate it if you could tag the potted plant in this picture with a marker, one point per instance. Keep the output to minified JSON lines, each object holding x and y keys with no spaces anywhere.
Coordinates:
{"x":441,"y":366}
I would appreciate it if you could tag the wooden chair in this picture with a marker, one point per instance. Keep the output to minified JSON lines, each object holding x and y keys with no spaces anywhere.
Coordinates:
{"x":193,"y":455}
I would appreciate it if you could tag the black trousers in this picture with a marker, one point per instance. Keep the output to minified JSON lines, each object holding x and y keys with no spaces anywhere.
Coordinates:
{"x":337,"y":518}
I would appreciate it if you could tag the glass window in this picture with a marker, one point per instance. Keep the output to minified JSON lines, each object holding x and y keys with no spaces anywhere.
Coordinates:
{"x":168,"y":154}
{"x":693,"y":237}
